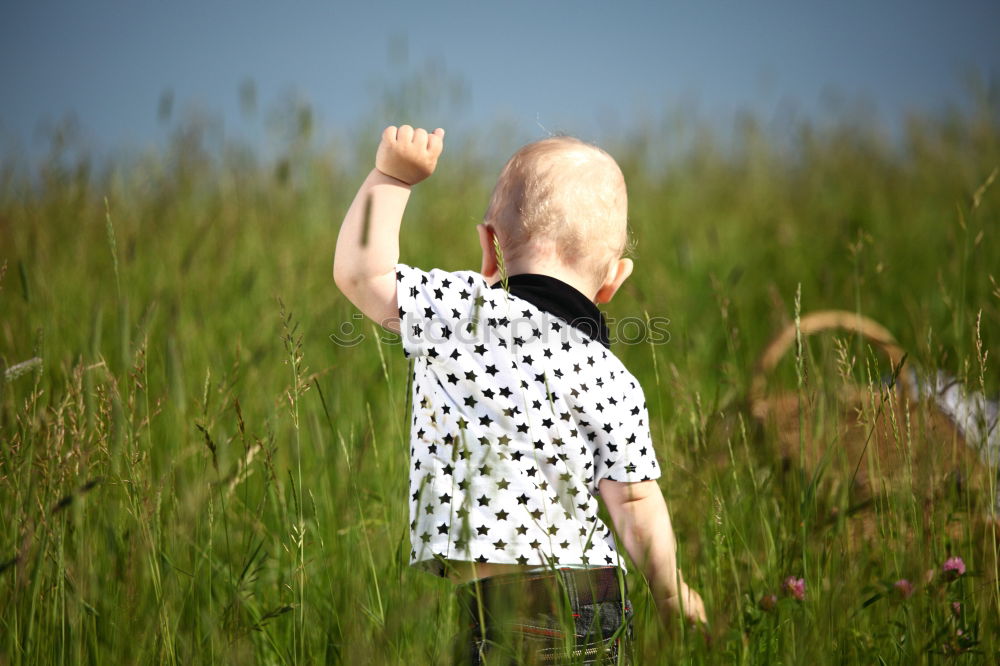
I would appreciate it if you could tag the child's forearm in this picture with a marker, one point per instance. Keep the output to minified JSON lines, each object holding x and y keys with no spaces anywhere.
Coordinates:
{"x":642,"y":520}
{"x":649,"y":540}
{"x":368,"y":246}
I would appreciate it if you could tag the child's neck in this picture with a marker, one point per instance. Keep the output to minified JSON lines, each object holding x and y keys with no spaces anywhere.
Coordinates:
{"x":555,"y":269}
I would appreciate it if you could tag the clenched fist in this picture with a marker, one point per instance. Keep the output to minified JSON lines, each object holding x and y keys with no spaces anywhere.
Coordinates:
{"x":408,"y":154}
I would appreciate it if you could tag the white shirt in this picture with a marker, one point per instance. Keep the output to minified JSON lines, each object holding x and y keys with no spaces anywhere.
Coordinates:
{"x":517,"y":416}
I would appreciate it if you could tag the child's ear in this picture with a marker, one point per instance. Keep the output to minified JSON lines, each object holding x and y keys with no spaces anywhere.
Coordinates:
{"x":621,"y":270}
{"x":486,"y":240}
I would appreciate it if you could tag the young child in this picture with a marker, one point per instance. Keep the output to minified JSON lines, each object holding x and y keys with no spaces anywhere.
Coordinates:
{"x":522,"y":417}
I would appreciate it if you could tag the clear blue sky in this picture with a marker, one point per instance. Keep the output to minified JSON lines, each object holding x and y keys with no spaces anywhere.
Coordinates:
{"x":584,"y":67}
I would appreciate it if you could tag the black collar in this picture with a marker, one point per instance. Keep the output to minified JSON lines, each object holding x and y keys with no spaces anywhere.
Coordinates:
{"x":562,"y":300}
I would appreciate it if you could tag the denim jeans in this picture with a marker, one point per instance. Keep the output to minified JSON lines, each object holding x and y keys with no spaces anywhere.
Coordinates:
{"x":551,"y":620}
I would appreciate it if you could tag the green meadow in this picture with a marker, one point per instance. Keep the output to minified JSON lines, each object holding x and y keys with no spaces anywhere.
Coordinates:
{"x":194,"y":470}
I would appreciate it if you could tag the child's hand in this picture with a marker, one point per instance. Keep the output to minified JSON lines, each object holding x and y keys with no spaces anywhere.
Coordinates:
{"x":408,"y":154}
{"x":693,"y":606}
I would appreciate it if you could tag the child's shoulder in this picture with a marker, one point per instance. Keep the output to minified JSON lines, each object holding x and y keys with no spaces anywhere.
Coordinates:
{"x":439,"y":276}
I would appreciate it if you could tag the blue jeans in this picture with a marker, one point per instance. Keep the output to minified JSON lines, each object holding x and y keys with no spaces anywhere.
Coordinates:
{"x":565,"y":616}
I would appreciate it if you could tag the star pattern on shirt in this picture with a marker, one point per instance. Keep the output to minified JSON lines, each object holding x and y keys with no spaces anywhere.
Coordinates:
{"x":513,"y":427}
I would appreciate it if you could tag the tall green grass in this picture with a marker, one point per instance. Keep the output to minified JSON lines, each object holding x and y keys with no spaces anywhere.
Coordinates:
{"x":194,"y":472}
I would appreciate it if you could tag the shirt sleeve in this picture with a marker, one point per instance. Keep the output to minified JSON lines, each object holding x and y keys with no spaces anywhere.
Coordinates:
{"x":624,"y":449}
{"x":435,"y":307}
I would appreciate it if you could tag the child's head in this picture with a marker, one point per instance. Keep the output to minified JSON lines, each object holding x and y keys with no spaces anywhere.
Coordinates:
{"x":565,"y":198}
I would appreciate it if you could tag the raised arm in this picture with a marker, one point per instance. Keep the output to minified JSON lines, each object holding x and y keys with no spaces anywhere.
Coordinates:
{"x":368,"y":243}
{"x":641,"y":519}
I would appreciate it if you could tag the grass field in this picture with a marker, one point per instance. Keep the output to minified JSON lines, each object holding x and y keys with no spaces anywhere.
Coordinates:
{"x":194,"y":472}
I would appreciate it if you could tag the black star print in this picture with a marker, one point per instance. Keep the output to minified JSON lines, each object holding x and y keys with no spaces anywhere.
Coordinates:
{"x":481,"y":425}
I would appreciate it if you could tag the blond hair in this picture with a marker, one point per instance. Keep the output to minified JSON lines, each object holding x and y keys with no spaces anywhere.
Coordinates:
{"x":567,"y":192}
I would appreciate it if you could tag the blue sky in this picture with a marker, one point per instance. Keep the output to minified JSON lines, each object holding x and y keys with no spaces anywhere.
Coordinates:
{"x":591,"y":68}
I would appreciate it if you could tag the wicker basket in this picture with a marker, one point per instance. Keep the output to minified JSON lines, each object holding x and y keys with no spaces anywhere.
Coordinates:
{"x":878,"y":438}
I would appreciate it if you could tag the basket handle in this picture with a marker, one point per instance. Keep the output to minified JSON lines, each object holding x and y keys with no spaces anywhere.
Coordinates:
{"x":826,"y":320}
